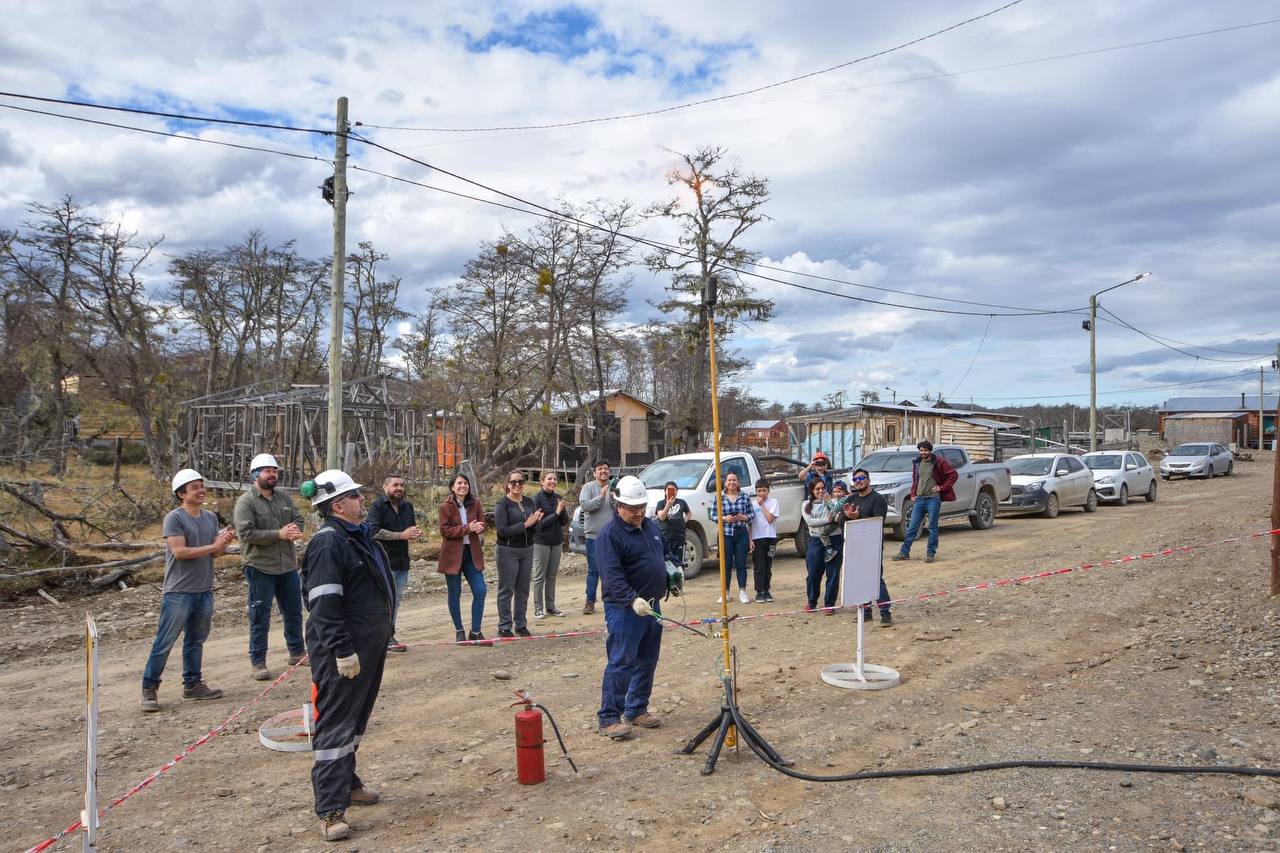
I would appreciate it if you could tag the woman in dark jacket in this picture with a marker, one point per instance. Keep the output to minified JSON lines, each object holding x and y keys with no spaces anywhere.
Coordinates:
{"x":514,"y":518}
{"x":548,"y":539}
{"x":461,"y":555}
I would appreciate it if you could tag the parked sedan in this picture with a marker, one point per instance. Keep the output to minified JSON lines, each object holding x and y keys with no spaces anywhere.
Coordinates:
{"x":1117,"y":474}
{"x":1046,"y":482}
{"x":1201,"y":459}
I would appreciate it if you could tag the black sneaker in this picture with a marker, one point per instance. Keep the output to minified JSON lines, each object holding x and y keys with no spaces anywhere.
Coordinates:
{"x":886,"y":619}
{"x":768,"y":596}
{"x":506,"y":633}
{"x":475,"y":635}
{"x":828,"y":555}
{"x":523,"y":632}
{"x":459,"y":636}
{"x":761,"y":598}
{"x":929,"y":558}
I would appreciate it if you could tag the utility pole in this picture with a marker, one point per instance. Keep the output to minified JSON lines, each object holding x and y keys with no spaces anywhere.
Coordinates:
{"x":1093,"y":372}
{"x":1275,"y":490}
{"x":333,"y":451}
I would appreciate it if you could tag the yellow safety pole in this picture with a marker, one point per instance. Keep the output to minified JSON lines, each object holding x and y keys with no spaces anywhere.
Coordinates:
{"x":727,"y":673}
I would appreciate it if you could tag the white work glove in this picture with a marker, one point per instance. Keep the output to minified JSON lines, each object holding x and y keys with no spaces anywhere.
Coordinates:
{"x":349,"y":667}
{"x":641,"y":607}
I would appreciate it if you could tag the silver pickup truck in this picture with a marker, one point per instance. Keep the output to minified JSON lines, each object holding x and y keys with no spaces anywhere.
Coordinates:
{"x":979,"y":490}
{"x":694,"y":476}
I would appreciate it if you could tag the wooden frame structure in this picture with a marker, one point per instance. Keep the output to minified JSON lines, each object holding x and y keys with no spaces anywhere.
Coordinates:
{"x":379,"y":423}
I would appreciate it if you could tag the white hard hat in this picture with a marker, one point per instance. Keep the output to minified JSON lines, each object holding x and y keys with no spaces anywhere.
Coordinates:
{"x":331,"y":484}
{"x":631,"y":491}
{"x":186,"y":475}
{"x":263,"y":460}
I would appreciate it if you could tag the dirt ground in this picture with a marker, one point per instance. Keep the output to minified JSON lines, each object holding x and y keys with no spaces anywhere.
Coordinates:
{"x":1169,"y":660}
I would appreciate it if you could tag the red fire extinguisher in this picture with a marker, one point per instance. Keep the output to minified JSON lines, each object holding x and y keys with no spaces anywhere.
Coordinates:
{"x":530,"y":766}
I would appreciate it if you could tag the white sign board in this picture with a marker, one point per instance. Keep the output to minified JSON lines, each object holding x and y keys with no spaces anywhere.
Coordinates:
{"x":863,"y":543}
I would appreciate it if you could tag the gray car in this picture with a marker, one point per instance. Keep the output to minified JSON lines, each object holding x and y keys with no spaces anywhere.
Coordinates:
{"x":1197,"y":459}
{"x":1047,"y":482}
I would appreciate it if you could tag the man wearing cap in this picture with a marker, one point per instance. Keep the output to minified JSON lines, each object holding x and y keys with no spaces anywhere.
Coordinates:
{"x":351,"y":596}
{"x":633,"y":574}
{"x":191,"y":541}
{"x":268,"y":524}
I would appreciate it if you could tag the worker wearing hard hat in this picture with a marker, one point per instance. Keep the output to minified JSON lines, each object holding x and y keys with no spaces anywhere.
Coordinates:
{"x":351,"y":596}
{"x":268,"y":524}
{"x":191,"y":541}
{"x":633,"y":574}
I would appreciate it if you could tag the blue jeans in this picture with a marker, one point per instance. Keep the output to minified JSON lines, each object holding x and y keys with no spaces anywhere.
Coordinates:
{"x":932,"y":506}
{"x":190,"y":613}
{"x":736,"y":547}
{"x":593,"y":574}
{"x":264,"y":590}
{"x":632,"y":646}
{"x":816,"y":566}
{"x":475,"y":580}
{"x":882,"y":601}
{"x":402,"y":583}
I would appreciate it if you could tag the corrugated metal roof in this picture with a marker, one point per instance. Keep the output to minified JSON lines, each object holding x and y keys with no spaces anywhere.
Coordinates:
{"x":759,"y":424}
{"x":1232,"y":403}
{"x":988,"y":423}
{"x":1208,"y":416}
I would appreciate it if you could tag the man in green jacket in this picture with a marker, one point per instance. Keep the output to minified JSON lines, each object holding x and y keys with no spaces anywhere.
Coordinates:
{"x":268,"y":524}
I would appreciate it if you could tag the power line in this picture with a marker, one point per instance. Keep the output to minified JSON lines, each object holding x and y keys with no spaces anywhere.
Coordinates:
{"x":1180,"y":385}
{"x":972,"y":361}
{"x":712,"y":100}
{"x":158,"y":114}
{"x":241,"y":146}
{"x":547,"y":212}
{"x":1156,"y":339}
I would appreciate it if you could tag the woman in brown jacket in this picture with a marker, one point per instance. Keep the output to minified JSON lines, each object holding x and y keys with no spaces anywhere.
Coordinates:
{"x":462,"y":525}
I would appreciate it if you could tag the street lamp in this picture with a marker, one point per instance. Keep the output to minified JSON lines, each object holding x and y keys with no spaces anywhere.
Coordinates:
{"x":895,"y":394}
{"x":1093,"y":358}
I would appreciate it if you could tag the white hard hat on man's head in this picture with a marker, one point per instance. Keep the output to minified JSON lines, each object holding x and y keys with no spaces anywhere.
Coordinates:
{"x":263,"y":460}
{"x":331,"y":484}
{"x":632,"y":491}
{"x":186,"y":475}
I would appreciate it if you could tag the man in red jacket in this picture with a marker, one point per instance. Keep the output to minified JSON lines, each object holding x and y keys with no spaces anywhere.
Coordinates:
{"x":931,"y":480}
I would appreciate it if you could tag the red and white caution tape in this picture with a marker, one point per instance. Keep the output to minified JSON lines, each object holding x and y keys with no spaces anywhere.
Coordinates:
{"x":173,"y":762}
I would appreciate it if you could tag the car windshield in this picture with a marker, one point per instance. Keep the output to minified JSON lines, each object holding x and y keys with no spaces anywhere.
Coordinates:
{"x":896,"y":463}
{"x":686,"y":473}
{"x":1190,"y":450}
{"x":1034,"y":467}
{"x":1102,"y":462}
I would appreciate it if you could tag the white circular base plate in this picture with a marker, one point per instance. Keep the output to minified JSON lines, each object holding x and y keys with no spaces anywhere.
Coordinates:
{"x":846,"y":675}
{"x":284,"y":733}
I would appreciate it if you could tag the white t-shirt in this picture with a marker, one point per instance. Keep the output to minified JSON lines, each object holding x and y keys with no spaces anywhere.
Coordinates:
{"x":760,"y":528}
{"x":462,"y":514}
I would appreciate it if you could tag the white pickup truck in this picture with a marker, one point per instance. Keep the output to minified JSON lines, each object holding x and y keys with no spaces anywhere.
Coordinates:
{"x":979,"y":490}
{"x":694,"y":475}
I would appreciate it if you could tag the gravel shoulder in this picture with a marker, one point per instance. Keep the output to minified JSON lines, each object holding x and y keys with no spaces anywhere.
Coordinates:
{"x":1170,"y":660}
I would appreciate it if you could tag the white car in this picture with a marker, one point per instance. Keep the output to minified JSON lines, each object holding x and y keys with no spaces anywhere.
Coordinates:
{"x":1120,"y":474}
{"x":1046,"y":482}
{"x":1197,"y":459}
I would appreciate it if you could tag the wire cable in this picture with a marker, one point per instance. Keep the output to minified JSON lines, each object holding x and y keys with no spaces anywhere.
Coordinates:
{"x":1157,"y":339}
{"x":972,"y":361}
{"x":159,"y":114}
{"x":1179,"y":385}
{"x":101,"y":123}
{"x":712,"y":100}
{"x":547,"y":212}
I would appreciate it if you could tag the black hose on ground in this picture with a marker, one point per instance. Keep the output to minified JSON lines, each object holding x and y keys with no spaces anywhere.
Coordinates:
{"x":748,"y":735}
{"x":544,"y":709}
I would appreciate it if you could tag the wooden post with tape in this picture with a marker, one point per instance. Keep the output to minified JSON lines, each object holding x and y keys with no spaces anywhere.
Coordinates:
{"x":89,"y":817}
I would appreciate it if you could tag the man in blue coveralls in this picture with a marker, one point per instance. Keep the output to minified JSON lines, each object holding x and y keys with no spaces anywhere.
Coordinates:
{"x":633,"y":574}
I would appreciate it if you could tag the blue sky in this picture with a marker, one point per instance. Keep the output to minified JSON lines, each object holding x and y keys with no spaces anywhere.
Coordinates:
{"x":920,"y":171}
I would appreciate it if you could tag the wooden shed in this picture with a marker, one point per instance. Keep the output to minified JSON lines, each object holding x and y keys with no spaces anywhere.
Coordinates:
{"x":1222,"y":427}
{"x":635,"y":431}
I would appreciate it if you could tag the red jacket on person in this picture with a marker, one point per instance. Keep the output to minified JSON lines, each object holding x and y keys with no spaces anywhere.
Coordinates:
{"x":943,"y":474}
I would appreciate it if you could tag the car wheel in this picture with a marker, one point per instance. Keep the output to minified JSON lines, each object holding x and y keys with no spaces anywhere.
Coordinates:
{"x":1123,"y":500}
{"x":1164,"y":477}
{"x":1230,"y":467}
{"x":899,"y":530}
{"x":1051,"y":507}
{"x":693,"y":554}
{"x":1151,"y":491}
{"x":984,"y":512}
{"x":801,"y":539}
{"x":1091,"y":502}
{"x":1208,"y":471}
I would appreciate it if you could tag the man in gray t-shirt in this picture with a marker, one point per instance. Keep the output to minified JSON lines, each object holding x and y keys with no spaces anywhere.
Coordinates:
{"x":191,"y":541}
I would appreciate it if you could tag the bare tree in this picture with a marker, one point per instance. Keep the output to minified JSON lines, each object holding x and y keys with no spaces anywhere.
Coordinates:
{"x":717,"y":205}
{"x":370,"y":311}
{"x":202,"y":287}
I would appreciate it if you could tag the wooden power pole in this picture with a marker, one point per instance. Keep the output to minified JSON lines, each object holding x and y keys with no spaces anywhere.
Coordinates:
{"x":1275,"y":488}
{"x":333,"y":449}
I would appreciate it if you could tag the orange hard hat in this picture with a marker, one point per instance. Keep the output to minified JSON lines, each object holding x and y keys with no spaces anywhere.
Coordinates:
{"x":818,"y":454}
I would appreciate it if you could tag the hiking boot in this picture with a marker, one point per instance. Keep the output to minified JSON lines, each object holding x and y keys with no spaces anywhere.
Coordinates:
{"x":588,"y":608}
{"x":260,"y":671}
{"x":617,"y":731}
{"x":828,"y":555}
{"x":523,"y":632}
{"x":476,"y":635}
{"x":899,"y":557}
{"x":149,"y":700}
{"x":644,"y":721}
{"x":200,"y":690}
{"x":396,"y":646}
{"x":929,"y":558}
{"x":459,"y":636}
{"x":364,"y":796}
{"x":294,"y":660}
{"x":334,"y":827}
{"x":886,"y":619}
